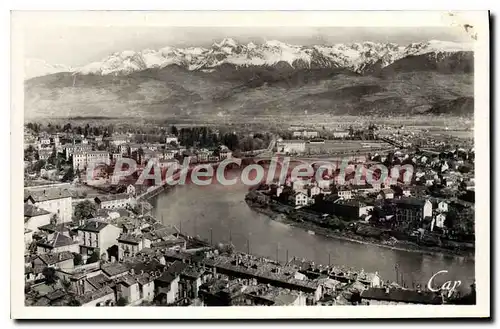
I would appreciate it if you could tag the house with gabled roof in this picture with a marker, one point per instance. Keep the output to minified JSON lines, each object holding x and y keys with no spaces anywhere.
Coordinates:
{"x":55,"y":200}
{"x":99,"y":236}
{"x":35,"y":217}
{"x":62,"y":260}
{"x":113,"y":201}
{"x":58,"y":242}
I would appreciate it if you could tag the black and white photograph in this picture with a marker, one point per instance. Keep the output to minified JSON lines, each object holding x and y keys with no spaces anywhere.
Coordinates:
{"x":239,"y":163}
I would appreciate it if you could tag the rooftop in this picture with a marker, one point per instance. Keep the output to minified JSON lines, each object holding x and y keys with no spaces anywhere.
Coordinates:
{"x":402,"y":295}
{"x":93,"y":295}
{"x":46,"y":194}
{"x":111,"y":197}
{"x":127,"y":279}
{"x":410,"y":202}
{"x":53,"y":228}
{"x":54,"y":258}
{"x":59,"y":240}
{"x":99,"y":281}
{"x":129,"y":238}
{"x":93,"y":226}
{"x":172,"y":272}
{"x":32,"y":211}
{"x":112,"y":269}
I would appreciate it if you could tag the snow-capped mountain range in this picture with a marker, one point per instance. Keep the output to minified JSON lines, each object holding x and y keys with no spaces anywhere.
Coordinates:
{"x":37,"y":67}
{"x":354,"y":56}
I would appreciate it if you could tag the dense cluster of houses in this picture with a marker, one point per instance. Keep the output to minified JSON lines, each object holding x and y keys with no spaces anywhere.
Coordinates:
{"x":79,"y":153}
{"x":438,"y":183}
{"x":120,"y":257}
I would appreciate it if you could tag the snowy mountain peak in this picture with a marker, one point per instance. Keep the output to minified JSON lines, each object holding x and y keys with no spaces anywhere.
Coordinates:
{"x":227,"y":42}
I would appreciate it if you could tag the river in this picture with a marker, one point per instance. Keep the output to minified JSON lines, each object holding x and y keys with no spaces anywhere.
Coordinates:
{"x":220,"y":213}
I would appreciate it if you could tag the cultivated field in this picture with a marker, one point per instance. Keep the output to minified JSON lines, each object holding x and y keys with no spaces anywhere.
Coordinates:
{"x":345,"y":146}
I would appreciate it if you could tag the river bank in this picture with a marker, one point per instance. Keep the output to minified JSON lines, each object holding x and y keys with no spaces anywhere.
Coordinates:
{"x":398,"y":245}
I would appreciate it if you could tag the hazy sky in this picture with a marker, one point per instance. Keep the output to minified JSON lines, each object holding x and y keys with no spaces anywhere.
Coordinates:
{"x":78,"y":46}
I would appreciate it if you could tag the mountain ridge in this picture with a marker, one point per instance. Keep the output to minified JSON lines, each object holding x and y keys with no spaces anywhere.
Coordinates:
{"x":358,"y":57}
{"x":435,"y":82}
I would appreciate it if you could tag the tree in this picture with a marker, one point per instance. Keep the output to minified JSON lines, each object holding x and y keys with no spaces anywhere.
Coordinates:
{"x":122,"y":301}
{"x":66,"y":284}
{"x":335,"y":223}
{"x":351,"y":131}
{"x":69,"y":176}
{"x":174,"y":131}
{"x":85,"y":210}
{"x":53,"y":156}
{"x":94,"y":257}
{"x":77,"y":259}
{"x":29,"y":153}
{"x":38,"y":165}
{"x":451,"y":218}
{"x":398,"y":191}
{"x":227,"y":248}
{"x":49,"y":273}
{"x":74,"y":302}
{"x":140,"y":155}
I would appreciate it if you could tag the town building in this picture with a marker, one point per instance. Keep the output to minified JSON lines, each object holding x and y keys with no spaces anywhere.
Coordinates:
{"x":35,"y":217}
{"x":101,"y":297}
{"x":306,"y":134}
{"x":166,"y":163}
{"x":225,"y":153}
{"x":83,"y":159}
{"x":299,"y":199}
{"x":291,"y":146}
{"x":412,"y":209}
{"x":114,"y":201}
{"x":98,"y":236}
{"x":43,"y":142}
{"x":115,"y":270}
{"x":124,"y":149}
{"x":442,"y":206}
{"x":168,"y":282}
{"x":438,"y":221}
{"x":344,"y":193}
{"x":349,"y":209}
{"x":171,"y":139}
{"x":58,"y":242}
{"x":45,"y":154}
{"x":129,"y":245}
{"x":203,"y":155}
{"x":386,"y":193}
{"x":62,"y":260}
{"x":54,"y":200}
{"x":340,"y":134}
{"x":118,"y":140}
{"x":70,"y":149}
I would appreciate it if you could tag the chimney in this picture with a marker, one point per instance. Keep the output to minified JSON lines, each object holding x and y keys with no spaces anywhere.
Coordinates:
{"x":387,"y":290}
{"x":96,"y":224}
{"x":132,"y":271}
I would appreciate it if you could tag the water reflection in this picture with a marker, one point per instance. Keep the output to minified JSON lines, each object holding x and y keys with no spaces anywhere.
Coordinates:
{"x":219,"y":213}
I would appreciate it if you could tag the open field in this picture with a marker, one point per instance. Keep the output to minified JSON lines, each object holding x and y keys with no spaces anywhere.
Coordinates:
{"x":340,"y":146}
